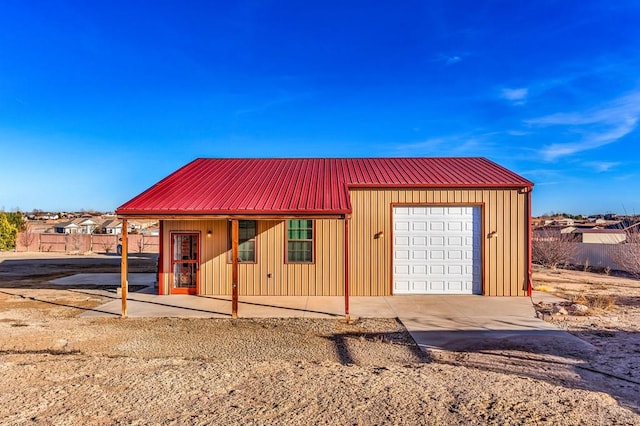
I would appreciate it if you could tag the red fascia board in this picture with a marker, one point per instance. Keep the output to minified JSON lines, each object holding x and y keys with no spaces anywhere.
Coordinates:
{"x":527,"y":185}
{"x":125,"y":212}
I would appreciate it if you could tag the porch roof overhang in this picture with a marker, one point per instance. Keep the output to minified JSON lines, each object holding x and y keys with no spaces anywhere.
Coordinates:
{"x":234,"y":215}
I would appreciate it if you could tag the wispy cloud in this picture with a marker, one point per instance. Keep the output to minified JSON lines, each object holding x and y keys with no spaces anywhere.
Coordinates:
{"x":598,"y":127}
{"x":431,"y":144}
{"x":602,"y":166}
{"x":516,"y":96}
{"x":449,"y":59}
{"x":453,"y":60}
{"x":458,"y":144}
{"x":262,"y":106}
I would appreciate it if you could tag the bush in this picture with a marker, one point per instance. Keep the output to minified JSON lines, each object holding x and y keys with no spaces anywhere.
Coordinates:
{"x":628,"y":257}
{"x":553,"y":249}
{"x":8,"y":232}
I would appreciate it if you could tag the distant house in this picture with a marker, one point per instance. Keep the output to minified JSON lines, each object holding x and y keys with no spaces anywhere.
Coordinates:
{"x":111,"y":226}
{"x":67,"y":228}
{"x":42,"y":216}
{"x":339,"y":226}
{"x":76,"y":226}
{"x":88,"y":226}
{"x":601,"y":236}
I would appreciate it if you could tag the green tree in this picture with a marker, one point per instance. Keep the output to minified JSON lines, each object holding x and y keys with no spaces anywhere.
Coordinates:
{"x":8,"y":232}
{"x":16,"y":219}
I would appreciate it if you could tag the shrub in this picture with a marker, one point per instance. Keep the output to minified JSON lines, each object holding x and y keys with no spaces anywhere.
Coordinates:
{"x":8,"y":232}
{"x":628,"y":256}
{"x":553,"y":249}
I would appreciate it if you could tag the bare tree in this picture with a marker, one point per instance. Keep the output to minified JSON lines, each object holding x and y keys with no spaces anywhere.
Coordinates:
{"x":553,"y":248}
{"x":141,"y":244}
{"x":628,"y":256}
{"x":107,"y":245}
{"x":74,"y":240}
{"x":27,"y":236}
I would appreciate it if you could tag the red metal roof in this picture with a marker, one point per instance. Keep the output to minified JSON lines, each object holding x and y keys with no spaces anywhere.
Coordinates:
{"x":281,"y":186}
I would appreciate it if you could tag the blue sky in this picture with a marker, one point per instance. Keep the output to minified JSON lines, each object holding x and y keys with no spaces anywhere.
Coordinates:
{"x":100,"y":100}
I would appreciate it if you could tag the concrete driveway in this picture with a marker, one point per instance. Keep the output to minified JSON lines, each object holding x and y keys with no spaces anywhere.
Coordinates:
{"x":471,"y":322}
{"x":452,"y":322}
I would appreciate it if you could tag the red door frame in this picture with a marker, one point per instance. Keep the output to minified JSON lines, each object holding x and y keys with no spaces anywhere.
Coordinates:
{"x":196,"y":261}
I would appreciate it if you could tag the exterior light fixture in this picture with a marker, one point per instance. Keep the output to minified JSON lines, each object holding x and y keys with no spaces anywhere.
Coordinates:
{"x":209,"y":233}
{"x":378,"y":235}
{"x":493,"y":234}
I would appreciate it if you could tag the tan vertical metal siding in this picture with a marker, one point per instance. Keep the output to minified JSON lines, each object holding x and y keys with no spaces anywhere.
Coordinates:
{"x":504,"y":258}
{"x":324,"y":277}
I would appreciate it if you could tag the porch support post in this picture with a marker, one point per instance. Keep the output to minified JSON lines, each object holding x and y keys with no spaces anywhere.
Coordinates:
{"x":234,"y":273}
{"x":160,"y":276}
{"x":346,"y":268}
{"x":529,"y":246}
{"x":124,"y":266}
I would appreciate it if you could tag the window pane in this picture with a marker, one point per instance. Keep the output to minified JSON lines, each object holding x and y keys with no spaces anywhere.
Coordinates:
{"x":246,"y":241}
{"x":300,"y":251}
{"x":300,"y":240}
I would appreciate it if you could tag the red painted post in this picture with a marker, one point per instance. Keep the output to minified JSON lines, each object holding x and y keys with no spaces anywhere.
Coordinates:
{"x":346,"y":269}
{"x":529,"y":246}
{"x":234,"y":273}
{"x":124,"y":284}
{"x":161,"y":259}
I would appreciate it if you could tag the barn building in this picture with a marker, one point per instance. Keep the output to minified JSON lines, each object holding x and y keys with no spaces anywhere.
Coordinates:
{"x":339,"y":226}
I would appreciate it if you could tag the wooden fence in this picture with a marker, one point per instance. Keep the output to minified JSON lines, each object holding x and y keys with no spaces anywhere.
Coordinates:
{"x":83,"y":243}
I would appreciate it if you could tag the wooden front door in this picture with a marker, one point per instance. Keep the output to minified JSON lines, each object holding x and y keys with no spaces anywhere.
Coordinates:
{"x":185,"y":262}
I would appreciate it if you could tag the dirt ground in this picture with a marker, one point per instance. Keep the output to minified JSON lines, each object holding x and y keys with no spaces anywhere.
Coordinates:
{"x":56,"y":368}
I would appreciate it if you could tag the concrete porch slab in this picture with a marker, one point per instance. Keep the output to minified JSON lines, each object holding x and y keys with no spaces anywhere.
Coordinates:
{"x":451,"y":322}
{"x":105,"y":279}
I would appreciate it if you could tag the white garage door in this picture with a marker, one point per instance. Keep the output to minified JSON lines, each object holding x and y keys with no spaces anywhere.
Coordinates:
{"x":436,"y":250}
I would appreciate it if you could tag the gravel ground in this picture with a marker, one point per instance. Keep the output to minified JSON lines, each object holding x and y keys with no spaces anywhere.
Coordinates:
{"x":58,"y":369}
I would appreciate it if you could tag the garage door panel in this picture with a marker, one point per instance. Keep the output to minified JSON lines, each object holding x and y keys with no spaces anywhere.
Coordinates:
{"x":401,"y":226}
{"x":401,"y":270}
{"x":436,"y":226}
{"x":437,"y":250}
{"x":436,"y":241}
{"x":419,"y":270}
{"x":454,"y":254}
{"x":419,"y":226}
{"x":436,"y":286}
{"x":419,"y":241}
{"x":454,"y":270}
{"x":455,"y":241}
{"x":436,"y":254}
{"x":401,"y":241}
{"x":402,"y":254}
{"x":436,"y":269}
{"x":419,"y":286}
{"x":402,"y":286}
{"x":454,"y":285}
{"x":455,"y":226}
{"x":418,"y":254}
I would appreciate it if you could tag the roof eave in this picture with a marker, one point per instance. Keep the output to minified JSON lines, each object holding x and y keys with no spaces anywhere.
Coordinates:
{"x":225,"y":214}
{"x":513,"y":185}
